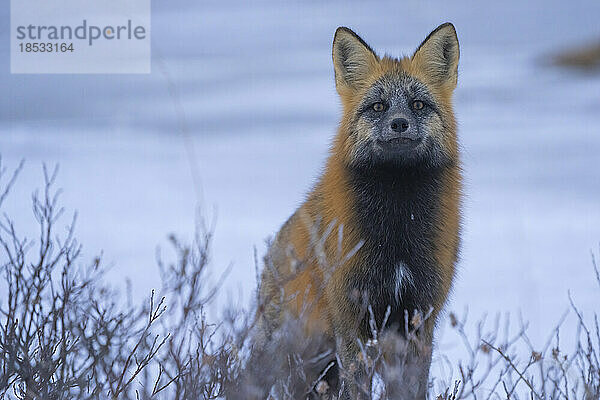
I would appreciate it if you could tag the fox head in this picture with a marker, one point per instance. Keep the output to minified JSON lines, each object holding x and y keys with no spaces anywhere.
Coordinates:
{"x":397,"y":112}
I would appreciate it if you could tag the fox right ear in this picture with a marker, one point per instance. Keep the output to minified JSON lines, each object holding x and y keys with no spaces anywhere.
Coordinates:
{"x":438,"y":55}
{"x":353,"y":59}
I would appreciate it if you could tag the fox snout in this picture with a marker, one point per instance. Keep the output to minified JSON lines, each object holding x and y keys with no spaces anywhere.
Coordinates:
{"x":400,"y":131}
{"x":398,"y":128}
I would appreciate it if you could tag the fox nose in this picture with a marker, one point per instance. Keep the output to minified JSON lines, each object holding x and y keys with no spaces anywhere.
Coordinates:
{"x":399,"y":125}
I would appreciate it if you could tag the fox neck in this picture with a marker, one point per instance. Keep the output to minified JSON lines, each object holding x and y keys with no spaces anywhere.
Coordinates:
{"x":397,"y":209}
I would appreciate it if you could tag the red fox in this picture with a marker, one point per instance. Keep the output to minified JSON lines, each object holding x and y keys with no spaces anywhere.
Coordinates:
{"x":381,"y":227}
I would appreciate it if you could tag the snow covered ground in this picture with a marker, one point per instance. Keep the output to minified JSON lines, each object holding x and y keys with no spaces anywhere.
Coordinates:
{"x":255,"y":82}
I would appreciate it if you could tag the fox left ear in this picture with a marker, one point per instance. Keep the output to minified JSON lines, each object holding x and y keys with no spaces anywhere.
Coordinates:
{"x":438,"y":55}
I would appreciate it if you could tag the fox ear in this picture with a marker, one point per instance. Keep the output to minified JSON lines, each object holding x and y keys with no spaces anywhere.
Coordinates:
{"x":353,"y":59}
{"x":438,"y":55}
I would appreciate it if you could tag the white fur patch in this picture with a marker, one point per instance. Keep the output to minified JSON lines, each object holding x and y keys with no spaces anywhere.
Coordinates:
{"x":403,"y":278}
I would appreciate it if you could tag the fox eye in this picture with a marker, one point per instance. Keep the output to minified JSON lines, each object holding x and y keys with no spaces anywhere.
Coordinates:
{"x":378,"y":107}
{"x":418,"y":105}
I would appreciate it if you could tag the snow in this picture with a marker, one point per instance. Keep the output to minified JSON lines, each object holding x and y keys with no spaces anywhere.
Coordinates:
{"x":255,"y":83}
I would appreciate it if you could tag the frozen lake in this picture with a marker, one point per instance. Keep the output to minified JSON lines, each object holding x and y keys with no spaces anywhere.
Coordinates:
{"x":255,"y":84}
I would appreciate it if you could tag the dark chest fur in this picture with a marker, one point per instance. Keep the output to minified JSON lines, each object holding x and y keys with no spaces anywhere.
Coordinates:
{"x":398,"y":216}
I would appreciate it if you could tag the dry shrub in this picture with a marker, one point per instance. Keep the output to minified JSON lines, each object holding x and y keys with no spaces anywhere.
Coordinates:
{"x":66,"y":334}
